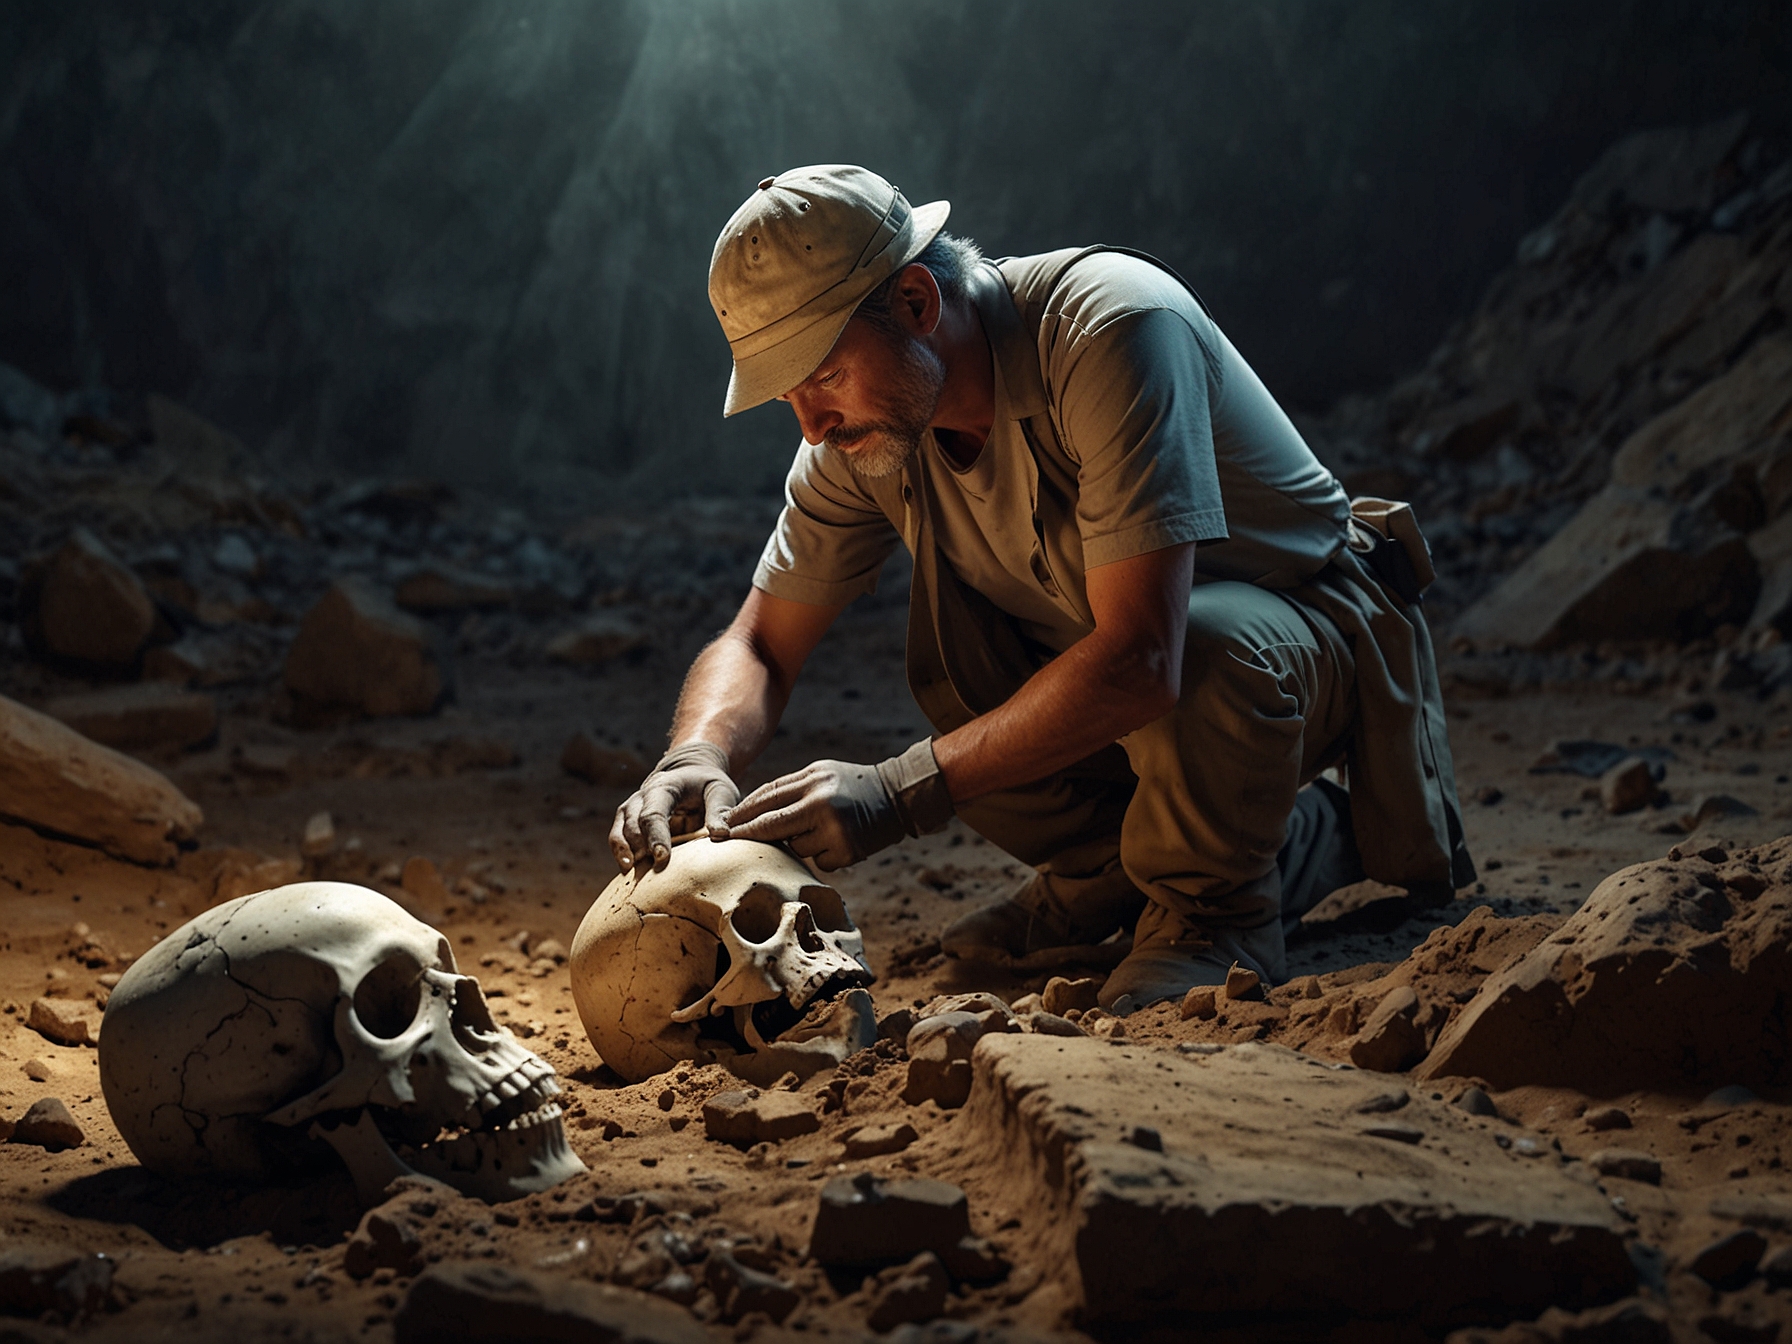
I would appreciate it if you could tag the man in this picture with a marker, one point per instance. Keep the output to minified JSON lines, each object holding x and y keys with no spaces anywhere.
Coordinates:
{"x":1143,"y":619}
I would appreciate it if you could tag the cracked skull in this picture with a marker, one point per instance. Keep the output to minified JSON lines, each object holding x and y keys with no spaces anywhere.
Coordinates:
{"x":322,"y":1011}
{"x":733,"y":954}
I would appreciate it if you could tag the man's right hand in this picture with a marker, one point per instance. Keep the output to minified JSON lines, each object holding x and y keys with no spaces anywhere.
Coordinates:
{"x":693,"y":777}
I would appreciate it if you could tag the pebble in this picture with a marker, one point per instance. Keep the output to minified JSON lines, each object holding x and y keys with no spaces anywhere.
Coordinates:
{"x":1391,"y":1040}
{"x":1201,"y":1002}
{"x":862,"y":1221}
{"x":48,"y":1125}
{"x":1729,"y":1262}
{"x":740,"y":1289}
{"x":747,"y":1117}
{"x":320,"y":836}
{"x":385,"y":1239}
{"x":1607,"y":1117}
{"x":1476,"y":1102}
{"x":1242,"y":984}
{"x":37,"y":1071}
{"x":1776,"y":1267}
{"x":1050,"y":1024}
{"x":62,"y":1021}
{"x":1396,"y":1133}
{"x":1383,"y":1102}
{"x":909,"y":1294}
{"x":1627,"y":786}
{"x":1062,"y":994}
{"x":879,"y":1140}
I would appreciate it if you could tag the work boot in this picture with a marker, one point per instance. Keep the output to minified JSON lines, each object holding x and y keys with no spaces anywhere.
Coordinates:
{"x":1171,"y":955}
{"x":1054,"y":920}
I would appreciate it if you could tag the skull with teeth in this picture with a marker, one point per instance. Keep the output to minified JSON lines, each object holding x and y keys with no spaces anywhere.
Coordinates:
{"x":735,"y":954}
{"x":323,"y":1011}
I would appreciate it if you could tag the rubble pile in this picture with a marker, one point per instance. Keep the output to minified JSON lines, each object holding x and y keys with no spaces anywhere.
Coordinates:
{"x":1599,"y":454}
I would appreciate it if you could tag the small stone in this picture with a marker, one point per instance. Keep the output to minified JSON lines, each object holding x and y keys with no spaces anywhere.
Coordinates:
{"x":550,"y":949}
{"x":36,"y":1280}
{"x":62,"y":1021}
{"x":1050,"y":1024}
{"x":895,"y":1026}
{"x":1201,"y":1003}
{"x":320,"y":836}
{"x":1243,"y":984}
{"x":1627,"y":786}
{"x":1713,"y":807}
{"x":939,"y":1054}
{"x":1729,"y":1262}
{"x":1488,"y":795}
{"x":862,"y":1221}
{"x":879,"y":1140}
{"x":1062,"y":994}
{"x":1627,"y":1164}
{"x":385,"y":1239}
{"x":1607,"y":1117}
{"x":1027,"y":1004}
{"x":1391,"y":1040}
{"x":37,"y":1071}
{"x":478,"y":1300}
{"x":740,"y":1289}
{"x":48,"y":1125}
{"x":1306,"y":987}
{"x":1728,"y":1098}
{"x":744,"y":1118}
{"x":667,"y":1099}
{"x":1476,"y":1102}
{"x":608,"y":767}
{"x":1383,"y":1102}
{"x":910,"y":1295}
{"x":598,"y":639}
{"x":437,"y":588}
{"x":1199,"y":1047}
{"x":974,"y":1259}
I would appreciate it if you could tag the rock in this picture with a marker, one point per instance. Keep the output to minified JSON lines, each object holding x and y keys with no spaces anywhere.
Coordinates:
{"x":1061,"y":994}
{"x":740,"y":1289}
{"x":63,"y":1021}
{"x":1627,"y":786}
{"x":896,"y":1025}
{"x":597,"y":639}
{"x":1390,"y":1041}
{"x":193,"y":442}
{"x":1201,"y":1003}
{"x":1713,"y":807}
{"x":1634,"y":1320}
{"x":37,"y":1071}
{"x":939,"y":1053}
{"x":1727,"y":1098}
{"x":1261,"y":1205}
{"x":1627,"y":1164}
{"x":147,"y":715}
{"x":549,"y":949}
{"x":862,"y":1221}
{"x":436,"y":588}
{"x":53,"y":1280}
{"x":468,"y":1302}
{"x":208,"y":658}
{"x":1050,"y":1024}
{"x":1383,"y":1102}
{"x":749,"y":1116}
{"x":1476,"y":1102}
{"x":1243,"y":985}
{"x":1026,"y":1005}
{"x":54,"y":779}
{"x":912,"y":1293}
{"x":357,"y":652}
{"x":610,"y":767}
{"x":1729,"y":1262}
{"x":82,"y":605}
{"x":1654,"y":555}
{"x":1606,"y":1117}
{"x":1591,"y":759}
{"x":385,"y":1239}
{"x":1663,"y":978}
{"x":1395,"y":1133}
{"x":1772,"y":548}
{"x":48,"y":1125}
{"x":879,"y":1140}
{"x":320,"y":836}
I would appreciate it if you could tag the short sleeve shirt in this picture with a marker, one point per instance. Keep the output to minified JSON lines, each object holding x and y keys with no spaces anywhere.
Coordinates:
{"x":1125,"y":422}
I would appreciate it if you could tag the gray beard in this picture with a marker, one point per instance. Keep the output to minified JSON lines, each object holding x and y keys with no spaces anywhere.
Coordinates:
{"x":884,"y":447}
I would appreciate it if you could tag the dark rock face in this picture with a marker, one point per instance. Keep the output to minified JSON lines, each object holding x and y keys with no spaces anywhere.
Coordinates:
{"x":486,"y":247}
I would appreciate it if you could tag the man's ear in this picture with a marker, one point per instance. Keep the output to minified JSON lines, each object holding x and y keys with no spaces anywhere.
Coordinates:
{"x":918,"y":299}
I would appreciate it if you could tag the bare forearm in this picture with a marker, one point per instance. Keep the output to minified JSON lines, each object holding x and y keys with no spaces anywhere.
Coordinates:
{"x":731,"y":697}
{"x":1077,"y":704}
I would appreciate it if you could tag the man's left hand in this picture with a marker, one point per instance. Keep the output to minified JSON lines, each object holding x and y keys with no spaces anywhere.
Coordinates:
{"x":838,"y":813}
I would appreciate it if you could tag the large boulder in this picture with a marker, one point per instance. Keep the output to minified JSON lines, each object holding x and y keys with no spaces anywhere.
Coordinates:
{"x":81,"y":604}
{"x":54,"y":779}
{"x":1663,"y":550}
{"x":357,"y":652}
{"x":1169,"y":1193}
{"x":1675,"y":973}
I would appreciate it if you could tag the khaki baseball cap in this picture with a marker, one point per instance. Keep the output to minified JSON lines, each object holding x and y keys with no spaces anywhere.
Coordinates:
{"x":795,"y":261}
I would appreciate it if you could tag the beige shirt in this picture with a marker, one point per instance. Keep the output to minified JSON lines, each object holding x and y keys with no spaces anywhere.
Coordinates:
{"x":1128,"y":424}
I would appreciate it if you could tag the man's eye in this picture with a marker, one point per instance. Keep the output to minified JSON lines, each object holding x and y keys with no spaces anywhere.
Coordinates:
{"x":831,"y":377}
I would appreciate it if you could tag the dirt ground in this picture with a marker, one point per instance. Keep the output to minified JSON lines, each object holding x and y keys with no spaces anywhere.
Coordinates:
{"x":522,"y":848}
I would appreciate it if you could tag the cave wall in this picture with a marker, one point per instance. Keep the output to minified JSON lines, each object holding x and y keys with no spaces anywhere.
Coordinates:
{"x":468,"y":237}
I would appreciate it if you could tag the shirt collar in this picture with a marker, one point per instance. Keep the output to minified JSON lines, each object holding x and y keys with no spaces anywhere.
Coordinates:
{"x":1016,"y":356}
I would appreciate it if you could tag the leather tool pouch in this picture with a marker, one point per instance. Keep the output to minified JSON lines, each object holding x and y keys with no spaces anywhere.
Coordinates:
{"x":1385,"y":536}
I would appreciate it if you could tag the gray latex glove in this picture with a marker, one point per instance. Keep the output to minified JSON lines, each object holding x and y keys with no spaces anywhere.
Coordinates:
{"x":692,"y":777}
{"x":838,"y":813}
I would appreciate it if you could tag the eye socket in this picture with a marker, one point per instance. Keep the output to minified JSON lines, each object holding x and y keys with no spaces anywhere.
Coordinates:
{"x":829,"y":909}
{"x":388,"y":997}
{"x":759,"y":913}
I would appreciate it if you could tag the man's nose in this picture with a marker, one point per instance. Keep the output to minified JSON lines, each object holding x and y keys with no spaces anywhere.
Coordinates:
{"x":814,"y":419}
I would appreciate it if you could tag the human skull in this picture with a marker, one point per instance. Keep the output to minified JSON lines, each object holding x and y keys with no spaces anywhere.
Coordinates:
{"x":315,"y":1011}
{"x":733,"y":953}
